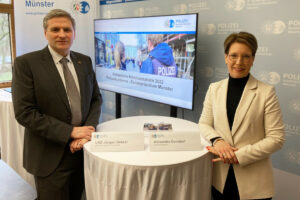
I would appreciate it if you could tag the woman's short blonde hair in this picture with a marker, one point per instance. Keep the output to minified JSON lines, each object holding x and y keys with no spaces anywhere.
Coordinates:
{"x":241,"y":37}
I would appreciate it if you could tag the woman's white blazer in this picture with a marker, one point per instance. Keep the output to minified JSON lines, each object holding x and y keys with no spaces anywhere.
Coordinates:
{"x":257,"y":132}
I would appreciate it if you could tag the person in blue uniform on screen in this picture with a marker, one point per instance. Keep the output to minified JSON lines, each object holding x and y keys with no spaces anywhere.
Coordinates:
{"x":160,"y":60}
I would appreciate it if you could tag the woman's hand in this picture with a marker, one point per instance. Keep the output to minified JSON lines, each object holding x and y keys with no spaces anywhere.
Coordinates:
{"x":225,"y":152}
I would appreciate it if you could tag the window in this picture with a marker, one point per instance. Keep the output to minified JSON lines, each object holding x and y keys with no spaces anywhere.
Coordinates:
{"x":5,"y":1}
{"x":7,"y":42}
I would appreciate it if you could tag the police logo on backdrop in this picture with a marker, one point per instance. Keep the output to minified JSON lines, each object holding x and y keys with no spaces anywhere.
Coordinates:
{"x":211,"y":29}
{"x":274,"y":27}
{"x":278,"y":27}
{"x":294,"y":105}
{"x":207,"y":71}
{"x":191,"y":7}
{"x":235,"y":5}
{"x":291,"y":79}
{"x":263,"y":51}
{"x":292,"y":129}
{"x":258,"y":4}
{"x":208,"y":29}
{"x":227,"y":28}
{"x":181,"y":8}
{"x":294,"y":26}
{"x":199,"y":5}
{"x":82,"y":7}
{"x":297,"y":54}
{"x":294,"y":156}
{"x":272,"y":78}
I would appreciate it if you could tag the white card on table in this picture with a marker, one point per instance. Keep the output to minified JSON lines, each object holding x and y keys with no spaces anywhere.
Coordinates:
{"x":175,"y":141}
{"x":117,"y":141}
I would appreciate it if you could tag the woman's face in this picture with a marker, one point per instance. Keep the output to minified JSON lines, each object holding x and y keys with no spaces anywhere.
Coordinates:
{"x":239,"y":60}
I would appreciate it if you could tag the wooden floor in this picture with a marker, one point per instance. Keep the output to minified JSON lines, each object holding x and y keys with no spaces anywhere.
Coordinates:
{"x":12,"y":186}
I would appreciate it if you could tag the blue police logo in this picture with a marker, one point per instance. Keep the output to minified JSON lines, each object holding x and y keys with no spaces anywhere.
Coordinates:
{"x":170,"y":23}
{"x":82,"y":7}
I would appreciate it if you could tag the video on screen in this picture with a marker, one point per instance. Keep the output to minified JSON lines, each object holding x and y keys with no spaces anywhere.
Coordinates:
{"x":148,"y":57}
{"x":170,"y":55}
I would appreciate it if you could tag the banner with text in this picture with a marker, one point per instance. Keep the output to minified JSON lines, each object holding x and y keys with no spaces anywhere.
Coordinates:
{"x":29,"y":16}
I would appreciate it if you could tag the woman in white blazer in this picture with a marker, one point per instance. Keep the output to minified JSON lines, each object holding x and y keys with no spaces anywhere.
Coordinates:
{"x":241,"y":116}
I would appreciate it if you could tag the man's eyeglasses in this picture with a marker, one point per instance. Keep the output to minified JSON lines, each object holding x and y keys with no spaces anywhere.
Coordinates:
{"x":235,"y":57}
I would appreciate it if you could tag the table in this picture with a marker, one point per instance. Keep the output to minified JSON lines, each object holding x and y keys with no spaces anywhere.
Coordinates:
{"x":145,"y":175}
{"x":12,"y":138}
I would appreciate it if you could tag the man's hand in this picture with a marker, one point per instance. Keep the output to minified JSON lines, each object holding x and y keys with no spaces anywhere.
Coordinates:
{"x":225,"y":152}
{"x":77,"y":144}
{"x":82,"y":132}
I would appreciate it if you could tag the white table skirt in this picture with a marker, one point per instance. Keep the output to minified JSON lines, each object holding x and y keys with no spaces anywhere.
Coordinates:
{"x":131,"y":176}
{"x":12,"y":138}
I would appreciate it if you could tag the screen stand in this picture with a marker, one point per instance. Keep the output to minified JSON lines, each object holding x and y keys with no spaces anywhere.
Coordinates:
{"x":173,"y":111}
{"x":118,"y":105}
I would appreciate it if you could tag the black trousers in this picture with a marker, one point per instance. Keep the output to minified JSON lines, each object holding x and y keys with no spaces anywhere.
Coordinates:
{"x":66,"y":182}
{"x":230,"y":191}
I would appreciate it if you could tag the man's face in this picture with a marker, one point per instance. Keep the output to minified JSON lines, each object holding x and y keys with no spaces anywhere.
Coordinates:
{"x":60,"y":34}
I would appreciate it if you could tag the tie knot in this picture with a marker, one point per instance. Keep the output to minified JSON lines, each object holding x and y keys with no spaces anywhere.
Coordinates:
{"x":64,"y":60}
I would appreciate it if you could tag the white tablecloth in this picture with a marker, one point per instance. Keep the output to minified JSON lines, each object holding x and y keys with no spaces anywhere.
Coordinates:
{"x":145,"y":175}
{"x":12,"y":138}
{"x":12,"y":186}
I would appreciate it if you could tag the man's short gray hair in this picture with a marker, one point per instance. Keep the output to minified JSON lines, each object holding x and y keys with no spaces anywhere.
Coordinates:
{"x":57,"y":13}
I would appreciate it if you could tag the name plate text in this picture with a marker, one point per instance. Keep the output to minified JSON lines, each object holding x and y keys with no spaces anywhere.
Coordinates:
{"x":175,"y":141}
{"x":117,"y":141}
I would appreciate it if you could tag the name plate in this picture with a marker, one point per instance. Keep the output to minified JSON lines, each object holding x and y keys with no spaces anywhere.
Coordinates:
{"x":117,"y":141}
{"x":175,"y":141}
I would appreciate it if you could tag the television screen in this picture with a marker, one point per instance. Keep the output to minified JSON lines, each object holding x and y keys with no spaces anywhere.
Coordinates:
{"x":148,"y":57}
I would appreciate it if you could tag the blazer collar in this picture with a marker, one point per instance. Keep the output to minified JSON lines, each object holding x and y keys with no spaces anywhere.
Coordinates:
{"x":53,"y":73}
{"x":246,"y":100}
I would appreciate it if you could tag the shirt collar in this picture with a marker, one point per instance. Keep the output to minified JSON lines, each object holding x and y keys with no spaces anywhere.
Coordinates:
{"x":56,"y":56}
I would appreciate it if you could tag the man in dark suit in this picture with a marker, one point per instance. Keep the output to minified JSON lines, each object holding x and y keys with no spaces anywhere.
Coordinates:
{"x":57,"y":99}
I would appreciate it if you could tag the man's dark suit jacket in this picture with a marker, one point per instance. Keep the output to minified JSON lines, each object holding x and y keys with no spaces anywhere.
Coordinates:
{"x":41,"y":106}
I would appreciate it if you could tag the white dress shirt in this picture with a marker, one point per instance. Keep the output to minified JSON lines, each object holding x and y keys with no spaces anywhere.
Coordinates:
{"x":56,"y":58}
